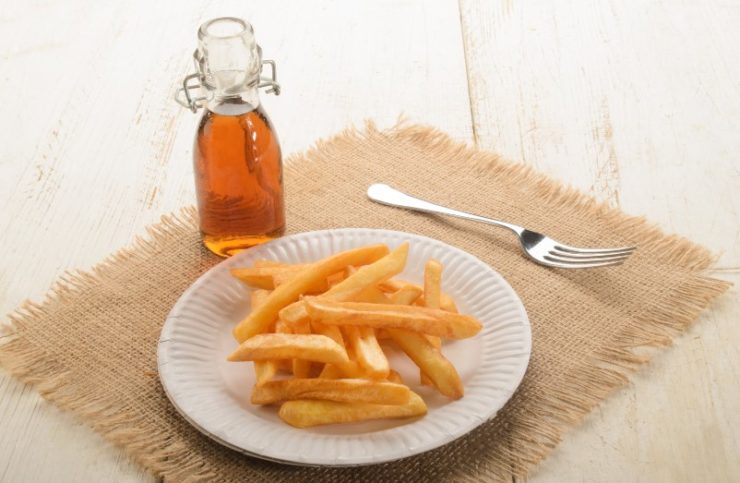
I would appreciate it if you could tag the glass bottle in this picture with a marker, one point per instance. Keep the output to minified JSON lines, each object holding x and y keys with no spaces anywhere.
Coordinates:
{"x":236,"y":154}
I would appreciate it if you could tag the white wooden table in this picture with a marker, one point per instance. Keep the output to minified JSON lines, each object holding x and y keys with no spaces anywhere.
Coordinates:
{"x":635,"y":102}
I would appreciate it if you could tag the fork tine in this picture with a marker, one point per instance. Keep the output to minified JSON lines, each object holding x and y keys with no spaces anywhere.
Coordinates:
{"x":603,"y":251}
{"x":589,"y":256}
{"x":564,"y":263}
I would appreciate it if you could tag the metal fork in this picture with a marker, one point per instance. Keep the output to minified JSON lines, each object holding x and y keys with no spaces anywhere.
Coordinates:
{"x":538,"y":247}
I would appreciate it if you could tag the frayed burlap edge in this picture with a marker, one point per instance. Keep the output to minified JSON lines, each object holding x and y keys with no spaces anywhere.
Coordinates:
{"x":104,"y":414}
{"x":608,"y":370}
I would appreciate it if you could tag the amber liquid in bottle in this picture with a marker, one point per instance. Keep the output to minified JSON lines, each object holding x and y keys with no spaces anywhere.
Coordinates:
{"x":239,"y":181}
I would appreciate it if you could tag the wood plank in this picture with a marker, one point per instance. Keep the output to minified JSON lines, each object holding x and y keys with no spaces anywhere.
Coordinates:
{"x":638,"y":104}
{"x":99,"y":149}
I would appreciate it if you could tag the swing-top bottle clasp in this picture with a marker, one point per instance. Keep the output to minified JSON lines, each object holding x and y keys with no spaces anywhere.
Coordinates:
{"x":226,"y":64}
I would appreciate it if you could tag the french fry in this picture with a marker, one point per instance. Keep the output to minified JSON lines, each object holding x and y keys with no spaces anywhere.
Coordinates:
{"x":440,"y":372}
{"x":302,"y":367}
{"x":335,"y":278}
{"x":322,"y":322}
{"x":258,"y":297}
{"x":351,"y":370}
{"x":394,"y":285}
{"x":271,"y":277}
{"x":419,"y":319}
{"x":343,"y":390}
{"x":285,"y":365}
{"x":254,"y":279}
{"x":432,"y":283}
{"x":259,"y":320}
{"x":406,"y":295}
{"x":367,"y":351}
{"x":430,"y":360}
{"x":366,"y":276}
{"x":432,"y":295}
{"x":263,"y":370}
{"x":433,"y":292}
{"x":311,"y":347}
{"x":331,"y":331}
{"x":282,"y":328}
{"x":370,"y":294}
{"x":262,"y":277}
{"x":304,"y":413}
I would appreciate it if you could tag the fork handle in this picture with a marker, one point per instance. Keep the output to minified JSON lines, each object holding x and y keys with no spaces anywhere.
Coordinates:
{"x":384,"y":194}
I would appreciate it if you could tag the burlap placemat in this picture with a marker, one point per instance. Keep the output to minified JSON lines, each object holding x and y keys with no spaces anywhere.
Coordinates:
{"x":90,"y":346}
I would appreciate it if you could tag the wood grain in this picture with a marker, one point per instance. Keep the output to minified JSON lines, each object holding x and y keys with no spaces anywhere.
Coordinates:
{"x":638,"y":104}
{"x":96,"y":149}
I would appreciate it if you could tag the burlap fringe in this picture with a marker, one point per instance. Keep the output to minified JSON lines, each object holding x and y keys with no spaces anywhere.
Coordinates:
{"x":534,"y":440}
{"x":104,"y":414}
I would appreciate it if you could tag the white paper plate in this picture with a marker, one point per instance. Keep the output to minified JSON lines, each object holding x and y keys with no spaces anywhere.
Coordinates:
{"x":213,"y":395}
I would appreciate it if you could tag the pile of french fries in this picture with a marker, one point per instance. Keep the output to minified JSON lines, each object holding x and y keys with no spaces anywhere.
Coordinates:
{"x":325,"y":324}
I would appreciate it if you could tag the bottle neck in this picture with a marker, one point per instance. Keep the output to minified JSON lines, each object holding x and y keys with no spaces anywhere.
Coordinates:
{"x":232,"y":104}
{"x":228,"y":64}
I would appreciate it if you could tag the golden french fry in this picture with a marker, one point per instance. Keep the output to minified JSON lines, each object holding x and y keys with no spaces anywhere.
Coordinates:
{"x":432,"y":283}
{"x":367,"y":351}
{"x":283,"y":276}
{"x":285,"y":365}
{"x":310,"y":347}
{"x":259,"y":320}
{"x":263,"y":277}
{"x":447,"y":303}
{"x":419,"y":319}
{"x":370,"y":294}
{"x":366,"y":276}
{"x":394,"y":285}
{"x":442,"y":374}
{"x":351,"y":370}
{"x":271,"y":277}
{"x":302,"y":367}
{"x":430,"y":360}
{"x":253,"y":278}
{"x":432,"y":295}
{"x":335,"y":278}
{"x":424,"y":379}
{"x":406,"y":295}
{"x":435,"y":341}
{"x":437,"y":344}
{"x":433,"y":292}
{"x":282,"y":328}
{"x":345,"y":390}
{"x":304,"y":413}
{"x":331,"y":331}
{"x":263,"y":370}
{"x":258,"y":297}
{"x":330,"y":371}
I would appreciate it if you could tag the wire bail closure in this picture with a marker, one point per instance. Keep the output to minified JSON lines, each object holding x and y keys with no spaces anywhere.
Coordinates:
{"x":197,"y":81}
